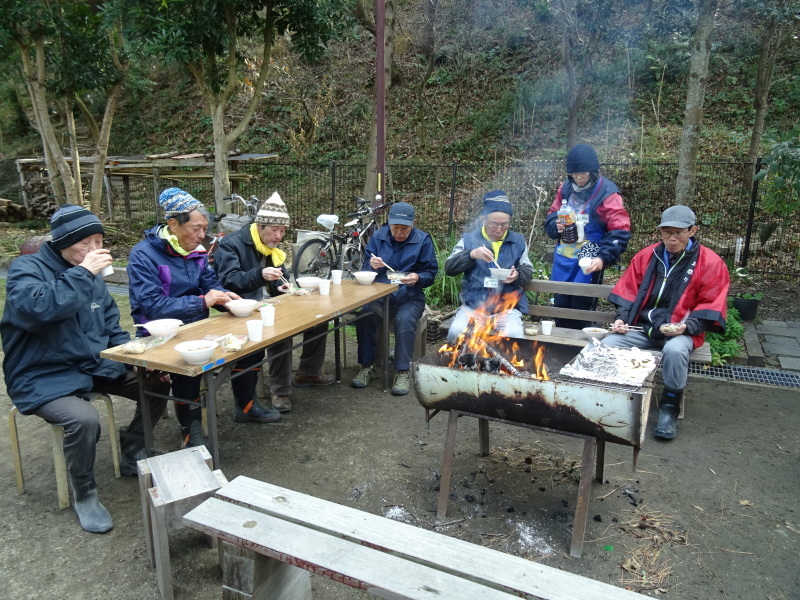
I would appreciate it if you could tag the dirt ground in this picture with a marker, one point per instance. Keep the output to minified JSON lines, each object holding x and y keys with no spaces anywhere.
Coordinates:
{"x":713,"y":514}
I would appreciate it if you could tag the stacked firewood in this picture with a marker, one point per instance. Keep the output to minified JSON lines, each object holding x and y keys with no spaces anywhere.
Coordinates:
{"x":40,"y":200}
{"x":13,"y":213}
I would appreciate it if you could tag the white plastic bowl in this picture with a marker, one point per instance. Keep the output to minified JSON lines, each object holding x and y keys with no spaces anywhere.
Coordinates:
{"x":308,"y":283}
{"x":500,"y":274}
{"x":595,"y":332}
{"x":241,"y":308}
{"x":163,"y":327}
{"x":365,"y":277}
{"x":196,"y":352}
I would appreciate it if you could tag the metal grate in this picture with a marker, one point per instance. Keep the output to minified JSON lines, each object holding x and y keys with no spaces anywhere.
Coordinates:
{"x":760,"y":375}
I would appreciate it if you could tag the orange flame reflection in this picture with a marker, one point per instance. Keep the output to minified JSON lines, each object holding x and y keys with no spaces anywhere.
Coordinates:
{"x":482,"y":330}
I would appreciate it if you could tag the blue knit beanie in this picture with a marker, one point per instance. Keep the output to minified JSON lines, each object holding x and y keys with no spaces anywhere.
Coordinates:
{"x":175,"y":201}
{"x":582,"y":159}
{"x":70,"y":224}
{"x":496,"y":201}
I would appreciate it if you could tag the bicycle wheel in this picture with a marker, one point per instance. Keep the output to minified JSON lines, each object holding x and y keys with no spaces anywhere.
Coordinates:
{"x":313,"y":260}
{"x":352,"y":261}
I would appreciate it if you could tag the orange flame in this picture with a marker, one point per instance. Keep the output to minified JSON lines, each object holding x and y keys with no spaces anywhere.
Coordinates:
{"x":482,"y":331}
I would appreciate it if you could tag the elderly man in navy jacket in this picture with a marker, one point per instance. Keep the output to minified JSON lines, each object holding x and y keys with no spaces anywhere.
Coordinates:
{"x":58,"y":317}
{"x":407,"y":250}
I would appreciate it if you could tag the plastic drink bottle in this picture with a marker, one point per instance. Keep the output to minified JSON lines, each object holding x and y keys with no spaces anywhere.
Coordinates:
{"x":566,"y":216}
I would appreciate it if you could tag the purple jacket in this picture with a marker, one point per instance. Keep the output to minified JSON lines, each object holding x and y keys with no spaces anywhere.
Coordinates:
{"x":166,"y":285}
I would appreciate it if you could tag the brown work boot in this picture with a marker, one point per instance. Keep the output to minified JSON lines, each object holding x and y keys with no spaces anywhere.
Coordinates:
{"x":281,"y":403}
{"x":309,"y":380}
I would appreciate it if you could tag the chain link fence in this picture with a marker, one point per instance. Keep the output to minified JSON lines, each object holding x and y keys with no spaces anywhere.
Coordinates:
{"x":447,"y":198}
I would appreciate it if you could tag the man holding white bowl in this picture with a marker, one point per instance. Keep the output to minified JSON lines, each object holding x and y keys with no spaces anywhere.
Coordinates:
{"x":250,"y":262}
{"x":170,"y":278}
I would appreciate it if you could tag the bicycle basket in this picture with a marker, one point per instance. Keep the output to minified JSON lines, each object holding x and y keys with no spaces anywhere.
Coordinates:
{"x":231,"y":223}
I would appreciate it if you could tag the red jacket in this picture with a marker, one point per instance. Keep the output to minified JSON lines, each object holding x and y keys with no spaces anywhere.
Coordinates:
{"x":697,"y":288}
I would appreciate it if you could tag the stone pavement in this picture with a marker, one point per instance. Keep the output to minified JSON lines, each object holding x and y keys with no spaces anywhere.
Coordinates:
{"x":779,"y":340}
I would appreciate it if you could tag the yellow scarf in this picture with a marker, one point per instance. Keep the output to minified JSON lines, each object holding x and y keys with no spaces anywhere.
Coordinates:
{"x":495,"y":245}
{"x":165,"y":234}
{"x":278,"y":255}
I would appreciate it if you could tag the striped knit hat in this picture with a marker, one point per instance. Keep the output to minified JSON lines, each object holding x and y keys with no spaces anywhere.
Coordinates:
{"x":496,"y":201}
{"x":70,"y":224}
{"x":175,"y":201}
{"x":273,"y":212}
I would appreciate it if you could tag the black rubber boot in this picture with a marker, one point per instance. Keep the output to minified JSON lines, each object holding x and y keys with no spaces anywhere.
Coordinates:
{"x":253,"y":412}
{"x":131,"y":450}
{"x":92,"y":515}
{"x":669,"y":409}
{"x":192,"y":436}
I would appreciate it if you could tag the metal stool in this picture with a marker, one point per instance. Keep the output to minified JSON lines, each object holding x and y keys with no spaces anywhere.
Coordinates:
{"x":170,"y":485}
{"x":58,"y":449}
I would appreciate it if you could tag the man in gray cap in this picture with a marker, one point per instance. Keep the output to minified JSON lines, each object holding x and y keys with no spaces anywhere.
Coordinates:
{"x":676,"y":290}
{"x":408,"y":250}
{"x":58,"y":317}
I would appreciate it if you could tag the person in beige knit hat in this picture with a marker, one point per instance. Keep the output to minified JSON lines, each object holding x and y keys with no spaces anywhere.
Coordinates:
{"x":251,"y":263}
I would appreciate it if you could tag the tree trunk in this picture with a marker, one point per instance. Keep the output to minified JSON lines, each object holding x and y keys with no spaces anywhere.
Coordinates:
{"x":695,"y":95}
{"x":427,"y":47}
{"x":57,"y":167}
{"x":101,"y":149}
{"x":771,"y":38}
{"x":222,"y":182}
{"x":567,"y":43}
{"x":69,"y":112}
{"x":370,"y":180}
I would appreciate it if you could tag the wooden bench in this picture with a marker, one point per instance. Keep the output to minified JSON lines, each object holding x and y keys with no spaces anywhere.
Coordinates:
{"x":272,"y":538}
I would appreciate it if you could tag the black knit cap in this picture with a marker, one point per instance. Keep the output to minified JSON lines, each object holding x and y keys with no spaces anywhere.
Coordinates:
{"x":70,"y":224}
{"x":582,"y":159}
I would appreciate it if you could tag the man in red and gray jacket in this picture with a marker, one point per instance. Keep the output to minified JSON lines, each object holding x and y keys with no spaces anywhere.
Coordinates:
{"x":676,"y":291}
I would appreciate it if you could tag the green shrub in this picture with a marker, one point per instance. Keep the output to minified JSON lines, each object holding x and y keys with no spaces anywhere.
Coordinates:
{"x":725,"y":347}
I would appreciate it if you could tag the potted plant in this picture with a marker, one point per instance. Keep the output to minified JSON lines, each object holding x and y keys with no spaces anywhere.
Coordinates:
{"x":747,"y":304}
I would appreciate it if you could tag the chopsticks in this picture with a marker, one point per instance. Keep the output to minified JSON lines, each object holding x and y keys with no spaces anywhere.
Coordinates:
{"x":631,"y":328}
{"x":384,"y":264}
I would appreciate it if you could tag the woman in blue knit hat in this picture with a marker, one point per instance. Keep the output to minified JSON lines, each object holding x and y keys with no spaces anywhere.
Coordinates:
{"x":603,"y":220}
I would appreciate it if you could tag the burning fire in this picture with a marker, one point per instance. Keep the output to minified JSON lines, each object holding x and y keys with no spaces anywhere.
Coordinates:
{"x":480,"y":343}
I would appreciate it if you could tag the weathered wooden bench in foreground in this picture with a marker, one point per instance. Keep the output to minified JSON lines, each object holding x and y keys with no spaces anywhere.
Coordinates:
{"x":271,"y":538}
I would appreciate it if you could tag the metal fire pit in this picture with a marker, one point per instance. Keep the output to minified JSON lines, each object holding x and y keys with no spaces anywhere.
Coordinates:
{"x":597,"y":413}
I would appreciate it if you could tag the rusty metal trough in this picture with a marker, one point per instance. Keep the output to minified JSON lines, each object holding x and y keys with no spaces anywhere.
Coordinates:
{"x":594,"y":412}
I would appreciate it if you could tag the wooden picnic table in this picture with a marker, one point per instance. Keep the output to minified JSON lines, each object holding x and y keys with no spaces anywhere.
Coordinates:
{"x":293,"y":315}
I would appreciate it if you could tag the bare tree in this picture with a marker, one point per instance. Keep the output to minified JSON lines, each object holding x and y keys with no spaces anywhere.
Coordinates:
{"x":773,"y":28}
{"x":695,"y":96}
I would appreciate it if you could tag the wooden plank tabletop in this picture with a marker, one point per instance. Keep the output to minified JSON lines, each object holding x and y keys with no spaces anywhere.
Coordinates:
{"x":293,"y":315}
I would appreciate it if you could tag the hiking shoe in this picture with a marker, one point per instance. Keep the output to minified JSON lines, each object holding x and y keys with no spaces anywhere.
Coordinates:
{"x":365,"y":375}
{"x":309,"y":380}
{"x":253,"y":413}
{"x":281,"y":403}
{"x":402,"y":381}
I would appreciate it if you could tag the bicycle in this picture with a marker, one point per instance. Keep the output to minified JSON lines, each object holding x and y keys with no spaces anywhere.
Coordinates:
{"x":223,"y":223}
{"x":334,"y":250}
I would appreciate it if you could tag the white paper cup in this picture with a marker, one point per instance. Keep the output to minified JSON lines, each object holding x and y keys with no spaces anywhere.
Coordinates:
{"x":107,"y":271}
{"x":268,"y":315}
{"x":255,"y":330}
{"x":584,"y":264}
{"x":324,"y":287}
{"x":336,"y":277}
{"x":547,"y":327}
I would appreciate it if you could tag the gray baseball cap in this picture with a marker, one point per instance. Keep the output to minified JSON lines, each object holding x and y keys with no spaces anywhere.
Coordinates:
{"x":678,"y":216}
{"x":401,"y":213}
